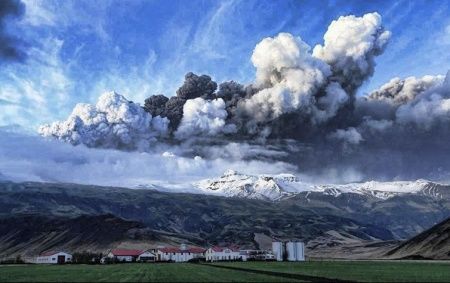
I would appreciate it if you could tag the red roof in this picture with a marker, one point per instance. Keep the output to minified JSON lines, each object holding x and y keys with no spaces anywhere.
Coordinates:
{"x":217,"y":249}
{"x":196,"y":250}
{"x":220,"y":249}
{"x":124,"y":252}
{"x":170,"y":250}
{"x":234,"y":248}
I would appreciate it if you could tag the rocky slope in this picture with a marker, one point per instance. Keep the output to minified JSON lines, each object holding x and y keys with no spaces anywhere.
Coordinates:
{"x":32,"y":234}
{"x":433,"y":243}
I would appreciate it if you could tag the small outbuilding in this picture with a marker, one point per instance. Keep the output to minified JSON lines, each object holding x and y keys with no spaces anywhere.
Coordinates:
{"x":53,"y":257}
{"x":124,"y":255}
{"x":146,"y":256}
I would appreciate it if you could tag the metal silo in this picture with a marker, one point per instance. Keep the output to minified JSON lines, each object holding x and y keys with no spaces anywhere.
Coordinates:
{"x":299,"y":251}
{"x":290,"y":249}
{"x":277,"y":249}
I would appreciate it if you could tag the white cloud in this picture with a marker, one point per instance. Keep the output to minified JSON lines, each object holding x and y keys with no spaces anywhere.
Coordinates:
{"x":349,"y":135}
{"x":289,"y":75}
{"x":203,"y":118}
{"x":36,"y":14}
{"x":350,"y":45}
{"x":114,"y":122}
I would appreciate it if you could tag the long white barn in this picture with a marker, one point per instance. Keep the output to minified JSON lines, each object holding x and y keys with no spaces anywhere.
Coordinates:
{"x":53,"y":257}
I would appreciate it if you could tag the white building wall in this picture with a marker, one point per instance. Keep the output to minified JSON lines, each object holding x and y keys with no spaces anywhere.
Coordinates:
{"x":176,"y":257}
{"x":226,"y":254}
{"x":53,"y":259}
{"x":126,"y":258}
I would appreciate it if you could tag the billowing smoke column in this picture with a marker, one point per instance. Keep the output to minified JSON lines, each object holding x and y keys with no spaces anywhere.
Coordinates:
{"x":10,"y":46}
{"x":292,"y":83}
{"x":350,"y":46}
{"x":194,"y":87}
{"x":204,"y":118}
{"x":113,"y":122}
{"x":399,"y":91}
{"x":301,"y":96}
{"x":287,"y":75}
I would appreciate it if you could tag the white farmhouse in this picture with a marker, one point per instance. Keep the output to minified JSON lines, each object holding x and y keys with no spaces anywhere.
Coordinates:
{"x":182,"y":254}
{"x":54,"y":257}
{"x":222,"y":253}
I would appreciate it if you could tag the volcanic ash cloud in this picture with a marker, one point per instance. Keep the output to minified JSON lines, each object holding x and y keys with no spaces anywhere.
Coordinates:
{"x":114,"y":122}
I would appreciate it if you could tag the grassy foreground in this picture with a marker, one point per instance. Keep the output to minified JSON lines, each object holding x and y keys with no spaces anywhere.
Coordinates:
{"x":362,"y":271}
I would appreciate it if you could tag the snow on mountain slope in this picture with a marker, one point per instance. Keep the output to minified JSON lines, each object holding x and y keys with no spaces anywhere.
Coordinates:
{"x":233,"y":184}
{"x":275,"y":187}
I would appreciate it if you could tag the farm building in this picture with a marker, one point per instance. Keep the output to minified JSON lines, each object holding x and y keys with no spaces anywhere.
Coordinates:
{"x":54,"y":257}
{"x":124,"y":255}
{"x":181,"y":254}
{"x":222,"y":253}
{"x":256,"y":255}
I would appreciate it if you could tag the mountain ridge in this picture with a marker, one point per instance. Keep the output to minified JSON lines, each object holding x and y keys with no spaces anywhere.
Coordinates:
{"x":277,"y":187}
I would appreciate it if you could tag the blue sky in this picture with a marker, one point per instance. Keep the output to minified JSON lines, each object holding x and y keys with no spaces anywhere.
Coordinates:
{"x":79,"y":49}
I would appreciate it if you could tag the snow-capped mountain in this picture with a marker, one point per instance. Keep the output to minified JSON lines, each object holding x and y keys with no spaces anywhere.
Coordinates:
{"x":276,"y":187}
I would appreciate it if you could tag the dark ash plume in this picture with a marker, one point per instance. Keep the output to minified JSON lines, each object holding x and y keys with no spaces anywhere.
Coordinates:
{"x":11,"y":48}
{"x":156,"y":104}
{"x":197,"y":86}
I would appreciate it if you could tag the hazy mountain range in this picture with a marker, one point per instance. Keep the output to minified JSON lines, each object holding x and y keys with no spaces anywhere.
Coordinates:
{"x":41,"y":216}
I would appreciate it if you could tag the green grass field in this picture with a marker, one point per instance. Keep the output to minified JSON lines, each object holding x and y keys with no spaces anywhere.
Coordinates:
{"x":362,"y":271}
{"x":137,"y":272}
{"x":278,"y":272}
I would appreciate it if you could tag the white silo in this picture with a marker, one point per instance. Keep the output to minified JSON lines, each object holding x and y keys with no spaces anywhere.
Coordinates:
{"x":277,"y":250}
{"x":291,"y":251}
{"x":299,"y":251}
